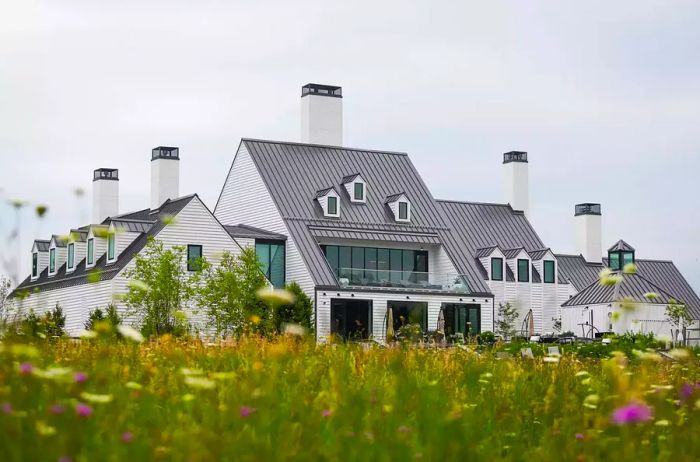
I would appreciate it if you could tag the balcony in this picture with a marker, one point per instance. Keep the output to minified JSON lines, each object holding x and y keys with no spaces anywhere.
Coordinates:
{"x":410,"y":280}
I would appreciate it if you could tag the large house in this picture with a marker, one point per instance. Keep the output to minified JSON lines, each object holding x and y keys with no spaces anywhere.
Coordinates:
{"x":362,"y":235}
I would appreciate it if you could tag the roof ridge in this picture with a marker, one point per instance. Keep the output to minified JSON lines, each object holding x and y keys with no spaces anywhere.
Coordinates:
{"x":329,"y":146}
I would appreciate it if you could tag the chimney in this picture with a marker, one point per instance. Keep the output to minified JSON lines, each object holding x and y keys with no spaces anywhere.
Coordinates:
{"x":515,"y":181}
{"x":322,"y":114}
{"x":105,"y":194}
{"x":589,"y":232}
{"x":165,"y":175}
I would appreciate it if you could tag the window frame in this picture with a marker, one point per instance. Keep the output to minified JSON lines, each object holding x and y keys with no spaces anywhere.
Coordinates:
{"x":267,"y":266}
{"x":90,"y":257}
{"x":192,"y":265}
{"x":519,"y":276}
{"x":111,"y":247}
{"x":35,"y":265}
{"x":52,"y":260}
{"x":407,"y":210}
{"x":493,"y":261}
{"x":553,"y":266}
{"x":362,"y":191}
{"x":70,"y":259}
{"x":328,"y":206}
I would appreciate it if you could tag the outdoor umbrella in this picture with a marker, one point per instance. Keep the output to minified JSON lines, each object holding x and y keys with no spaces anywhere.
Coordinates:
{"x":531,"y":326}
{"x":390,"y":324}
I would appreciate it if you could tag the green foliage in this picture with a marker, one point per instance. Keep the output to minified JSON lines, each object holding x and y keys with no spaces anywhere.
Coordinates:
{"x":505,"y":323}
{"x":300,"y":312}
{"x":228,"y":294}
{"x":159,"y":289}
{"x":488,"y":337}
{"x":410,"y":333}
{"x":48,"y":326}
{"x":678,"y":316}
{"x":110,"y":318}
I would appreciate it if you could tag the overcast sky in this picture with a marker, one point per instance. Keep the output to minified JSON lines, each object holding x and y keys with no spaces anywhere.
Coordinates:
{"x":605,"y":97}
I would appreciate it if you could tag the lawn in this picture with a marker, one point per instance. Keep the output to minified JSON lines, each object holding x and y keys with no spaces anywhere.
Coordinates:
{"x":288,"y":399}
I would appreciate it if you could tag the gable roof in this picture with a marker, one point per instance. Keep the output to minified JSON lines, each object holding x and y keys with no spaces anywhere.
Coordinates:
{"x":324,"y":192}
{"x":512,"y":253}
{"x":394,"y":197}
{"x":251,"y":232}
{"x":61,"y":241}
{"x":349,"y":178}
{"x":539,"y":254}
{"x":485,"y":251}
{"x":42,"y":245}
{"x":632,"y":287}
{"x":621,"y":245}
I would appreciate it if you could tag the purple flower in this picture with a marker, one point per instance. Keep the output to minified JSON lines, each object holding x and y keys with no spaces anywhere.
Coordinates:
{"x":327,"y":413}
{"x":580,"y":436}
{"x":80,"y":377}
{"x":83,"y":410}
{"x":57,"y":409}
{"x":687,"y":391}
{"x":246,"y":411}
{"x":127,"y":437}
{"x":6,"y":408}
{"x":631,"y":413}
{"x":26,"y":368}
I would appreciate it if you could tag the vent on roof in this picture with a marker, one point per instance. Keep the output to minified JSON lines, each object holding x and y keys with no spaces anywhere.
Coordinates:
{"x":516,"y":183}
{"x":514,"y":156}
{"x":165,"y":152}
{"x":105,"y":174}
{"x":587,"y":209}
{"x":321,"y":90}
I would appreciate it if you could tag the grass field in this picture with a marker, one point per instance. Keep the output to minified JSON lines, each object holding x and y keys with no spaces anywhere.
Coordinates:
{"x":292,"y":400}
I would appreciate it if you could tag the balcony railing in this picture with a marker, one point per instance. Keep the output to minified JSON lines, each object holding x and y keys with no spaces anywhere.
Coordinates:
{"x":414,"y":280}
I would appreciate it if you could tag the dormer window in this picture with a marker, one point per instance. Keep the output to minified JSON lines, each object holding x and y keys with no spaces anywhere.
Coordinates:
{"x":35,"y":265}
{"x":523,"y":270}
{"x":356,"y":188}
{"x":71,"y":255}
{"x":496,"y":269}
{"x":549,"y":271}
{"x":111,"y":246}
{"x":620,"y":255}
{"x":91,"y":251}
{"x":52,"y":260}
{"x":329,"y":201}
{"x":358,"y":192}
{"x":400,"y":207}
{"x":403,"y":211}
{"x":332,"y":205}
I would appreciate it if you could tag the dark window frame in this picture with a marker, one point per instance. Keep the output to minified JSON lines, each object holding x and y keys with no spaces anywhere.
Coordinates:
{"x":52,"y":260}
{"x":90,"y":251}
{"x":405,"y":209}
{"x":553,"y":267}
{"x":35,"y":264}
{"x":419,"y":261}
{"x":194,"y":264}
{"x":335,"y":203}
{"x":267,"y":269}
{"x":71,"y":256}
{"x":493,"y":261}
{"x":112,"y":246}
{"x":523,"y":276}
{"x":361,"y":190}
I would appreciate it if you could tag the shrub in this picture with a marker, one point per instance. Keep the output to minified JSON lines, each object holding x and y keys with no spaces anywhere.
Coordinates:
{"x":300,"y":312}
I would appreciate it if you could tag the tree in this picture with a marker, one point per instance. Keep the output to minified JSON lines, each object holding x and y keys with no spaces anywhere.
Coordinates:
{"x":507,"y":315}
{"x":677,"y":315}
{"x":300,"y":312}
{"x":228,"y":294}
{"x":5,"y":301}
{"x":159,"y":289}
{"x":111,"y":317}
{"x":50,"y":325}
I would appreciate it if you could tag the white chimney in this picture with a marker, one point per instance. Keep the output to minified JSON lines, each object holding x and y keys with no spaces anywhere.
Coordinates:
{"x":165,"y":175}
{"x":515,"y":181}
{"x":322,"y":114}
{"x":589,"y":230}
{"x":105,"y":194}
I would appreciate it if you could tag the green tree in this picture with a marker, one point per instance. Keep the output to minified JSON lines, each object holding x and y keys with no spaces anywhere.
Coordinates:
{"x":505,"y":324}
{"x":160,"y":288}
{"x":228,"y":294}
{"x":678,"y":316}
{"x":300,"y":312}
{"x":111,"y":317}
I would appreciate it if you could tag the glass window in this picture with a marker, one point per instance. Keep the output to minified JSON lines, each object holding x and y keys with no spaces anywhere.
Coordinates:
{"x":90,"y":251}
{"x":271,"y":255}
{"x":371,"y":264}
{"x":548,"y":271}
{"x":345,"y":258}
{"x":421,"y":266}
{"x":405,"y":313}
{"x":403,"y":210}
{"x":111,"y":246}
{"x":627,"y":258}
{"x":523,"y":270}
{"x":194,"y":257}
{"x":358,"y":264}
{"x":359,"y":192}
{"x":496,"y":269}
{"x":614,"y":261}
{"x":71,"y":255}
{"x":395,"y":265}
{"x":383,"y":264}
{"x":35,"y":264}
{"x":332,"y":205}
{"x":52,"y":260}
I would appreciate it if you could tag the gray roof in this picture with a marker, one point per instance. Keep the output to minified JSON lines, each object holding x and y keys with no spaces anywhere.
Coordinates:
{"x":61,"y":241}
{"x":621,"y":245}
{"x":80,"y":234}
{"x":633,"y":287}
{"x":349,"y":178}
{"x":538,"y":254}
{"x":132,"y":225}
{"x":293,"y":172}
{"x":323,"y":192}
{"x":485,"y":251}
{"x":42,"y":245}
{"x":512,"y":253}
{"x":394,"y":197}
{"x":79,"y":276}
{"x":245,"y":231}
{"x":391,"y":236}
{"x":661,"y":273}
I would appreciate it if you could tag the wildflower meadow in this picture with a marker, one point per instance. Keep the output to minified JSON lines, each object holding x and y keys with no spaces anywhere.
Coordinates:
{"x":287,"y":398}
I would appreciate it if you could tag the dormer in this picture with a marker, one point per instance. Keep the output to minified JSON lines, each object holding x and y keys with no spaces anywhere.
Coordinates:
{"x":620,"y":255}
{"x":400,"y":207}
{"x":520,"y":262}
{"x":545,"y":263}
{"x":111,"y":244}
{"x":57,"y":254}
{"x":75,"y":248}
{"x":40,"y":258}
{"x":96,"y":244}
{"x":493,"y":261}
{"x":329,"y":200}
{"x":356,"y":188}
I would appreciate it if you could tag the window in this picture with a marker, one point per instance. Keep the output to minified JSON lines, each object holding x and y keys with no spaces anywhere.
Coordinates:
{"x":332,"y":205}
{"x":614,"y":261}
{"x":549,"y":271}
{"x":403,"y":210}
{"x":90,"y":251}
{"x":359,"y":192}
{"x":35,"y":264}
{"x":271,"y":255}
{"x":71,"y":255}
{"x":194,"y":257}
{"x":627,"y":258}
{"x":52,"y":260}
{"x":496,"y":269}
{"x":523,"y":270}
{"x":405,"y":313}
{"x":111,"y":246}
{"x":371,"y":266}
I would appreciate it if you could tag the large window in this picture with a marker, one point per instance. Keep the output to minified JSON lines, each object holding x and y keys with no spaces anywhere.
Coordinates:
{"x":549,"y":271}
{"x":405,"y":313}
{"x":194,"y":257}
{"x":618,"y":259}
{"x":523,"y":270}
{"x":90,"y":251}
{"x":497,"y":269}
{"x":111,"y":246}
{"x":359,"y":192}
{"x":376,"y":266}
{"x":461,"y":318}
{"x":35,"y":264}
{"x":52,"y":260}
{"x":71,"y":255}
{"x":332,"y":205}
{"x":271,"y":257}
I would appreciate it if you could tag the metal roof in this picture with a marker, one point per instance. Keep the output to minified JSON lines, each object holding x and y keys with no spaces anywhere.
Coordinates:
{"x":61,"y":241}
{"x":575,"y":270}
{"x":538,"y":254}
{"x":42,"y":245}
{"x":512,"y":253}
{"x":348,"y":178}
{"x":392,"y":236}
{"x":485,"y":252}
{"x":251,"y":232}
{"x":325,"y":191}
{"x":134,"y":226}
{"x":633,"y":287}
{"x":393,"y":198}
{"x":621,"y":245}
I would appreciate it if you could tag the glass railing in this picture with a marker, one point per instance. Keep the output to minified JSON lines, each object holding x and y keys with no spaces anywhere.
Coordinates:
{"x":448,"y":282}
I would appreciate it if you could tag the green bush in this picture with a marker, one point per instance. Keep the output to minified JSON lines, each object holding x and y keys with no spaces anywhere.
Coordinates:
{"x":300,"y":312}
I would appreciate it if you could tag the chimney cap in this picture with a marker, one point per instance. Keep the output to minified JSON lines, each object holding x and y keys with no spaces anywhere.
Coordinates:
{"x":165,"y":152}
{"x":587,"y":208}
{"x":106,"y":174}
{"x":321,"y":90}
{"x":515,"y":156}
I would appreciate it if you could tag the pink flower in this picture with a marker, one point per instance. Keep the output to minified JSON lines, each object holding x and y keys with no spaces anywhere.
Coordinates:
{"x":327,"y":413}
{"x":127,"y":437}
{"x":6,"y":408}
{"x":246,"y":411}
{"x":57,"y":409}
{"x":83,"y":410}
{"x":80,"y":377}
{"x":26,"y":368}
{"x":631,"y":413}
{"x":580,"y":436}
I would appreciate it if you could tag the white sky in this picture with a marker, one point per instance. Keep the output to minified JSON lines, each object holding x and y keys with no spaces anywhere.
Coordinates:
{"x":605,"y":97}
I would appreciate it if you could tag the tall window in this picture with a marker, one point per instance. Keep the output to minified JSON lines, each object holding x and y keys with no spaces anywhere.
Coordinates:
{"x":272,"y":259}
{"x":71,"y":255}
{"x":497,"y":269}
{"x":403,"y":210}
{"x":627,"y":258}
{"x":194,"y":257}
{"x":614,"y":261}
{"x":35,"y":264}
{"x":359,"y":192}
{"x":52,"y":260}
{"x":111,"y":246}
{"x":549,"y":271}
{"x":90,"y":251}
{"x":332,"y":205}
{"x":523,"y":270}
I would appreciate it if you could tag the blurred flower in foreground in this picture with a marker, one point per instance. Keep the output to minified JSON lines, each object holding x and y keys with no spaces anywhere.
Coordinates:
{"x":294,"y":329}
{"x":276,"y":296}
{"x":246,"y":411}
{"x":83,"y":410}
{"x":631,"y":413}
{"x":6,"y":408}
{"x":127,"y":437}
{"x":327,"y":413}
{"x":57,"y":409}
{"x":26,"y":368}
{"x":41,"y":210}
{"x":80,"y":377}
{"x":130,"y":333}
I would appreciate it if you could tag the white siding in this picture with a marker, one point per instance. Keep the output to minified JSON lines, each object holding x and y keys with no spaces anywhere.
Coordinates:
{"x":246,"y":200}
{"x":42,"y":262}
{"x":124,"y":240}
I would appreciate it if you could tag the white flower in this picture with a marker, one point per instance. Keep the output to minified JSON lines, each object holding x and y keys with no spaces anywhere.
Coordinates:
{"x":276,"y":296}
{"x":95,"y":398}
{"x":130,"y":333}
